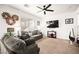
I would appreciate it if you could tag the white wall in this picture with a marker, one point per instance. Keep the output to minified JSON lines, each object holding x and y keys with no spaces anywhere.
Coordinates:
{"x":77,"y":11}
{"x":64,"y":29}
{"x":4,"y":25}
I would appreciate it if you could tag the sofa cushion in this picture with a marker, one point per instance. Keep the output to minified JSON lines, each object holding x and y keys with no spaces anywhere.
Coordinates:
{"x":30,"y":41}
{"x":35,"y":32}
{"x":23,"y":37}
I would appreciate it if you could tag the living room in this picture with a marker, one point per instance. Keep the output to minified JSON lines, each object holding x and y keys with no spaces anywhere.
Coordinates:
{"x":41,"y":26}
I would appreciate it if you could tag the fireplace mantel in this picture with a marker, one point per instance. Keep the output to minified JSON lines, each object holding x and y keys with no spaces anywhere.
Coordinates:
{"x":51,"y":34}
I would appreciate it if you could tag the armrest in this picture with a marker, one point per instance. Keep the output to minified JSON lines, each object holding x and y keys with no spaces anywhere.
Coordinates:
{"x":29,"y":41}
{"x":31,"y":49}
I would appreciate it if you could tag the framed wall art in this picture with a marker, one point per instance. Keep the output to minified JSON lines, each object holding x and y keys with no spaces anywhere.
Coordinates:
{"x":69,"y":21}
{"x":38,"y":23}
{"x":10,"y":29}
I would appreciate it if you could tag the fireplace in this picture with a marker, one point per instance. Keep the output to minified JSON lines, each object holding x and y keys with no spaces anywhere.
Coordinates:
{"x":51,"y":34}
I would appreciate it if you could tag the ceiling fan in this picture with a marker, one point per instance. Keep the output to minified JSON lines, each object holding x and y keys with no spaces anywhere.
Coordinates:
{"x":45,"y":8}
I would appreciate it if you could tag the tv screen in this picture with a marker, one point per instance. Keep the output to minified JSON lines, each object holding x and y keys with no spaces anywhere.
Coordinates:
{"x":53,"y":24}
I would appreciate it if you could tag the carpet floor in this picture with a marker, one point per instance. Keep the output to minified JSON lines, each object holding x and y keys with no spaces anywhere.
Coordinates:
{"x":56,"y":46}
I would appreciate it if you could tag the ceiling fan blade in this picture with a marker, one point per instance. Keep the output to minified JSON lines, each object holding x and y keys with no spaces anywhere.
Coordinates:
{"x":44,"y":12}
{"x":50,"y":10}
{"x":48,"y":6}
{"x":38,"y":7}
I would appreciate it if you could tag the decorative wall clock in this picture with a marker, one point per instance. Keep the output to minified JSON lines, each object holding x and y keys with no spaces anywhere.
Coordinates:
{"x":10,"y":20}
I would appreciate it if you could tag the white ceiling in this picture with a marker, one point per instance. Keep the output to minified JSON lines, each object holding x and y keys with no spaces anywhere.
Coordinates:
{"x":58,"y":8}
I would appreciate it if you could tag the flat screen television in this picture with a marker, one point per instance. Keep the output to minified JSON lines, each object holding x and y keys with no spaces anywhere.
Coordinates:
{"x":53,"y":24}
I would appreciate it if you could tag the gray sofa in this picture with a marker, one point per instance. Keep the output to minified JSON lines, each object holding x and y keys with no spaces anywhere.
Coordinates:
{"x":15,"y":45}
{"x":37,"y":35}
{"x":34,"y":35}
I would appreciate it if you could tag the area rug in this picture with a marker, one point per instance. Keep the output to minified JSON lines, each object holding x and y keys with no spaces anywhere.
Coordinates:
{"x":56,"y":46}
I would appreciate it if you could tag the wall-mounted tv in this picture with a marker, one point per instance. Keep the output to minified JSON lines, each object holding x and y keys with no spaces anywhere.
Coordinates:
{"x":53,"y":24}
